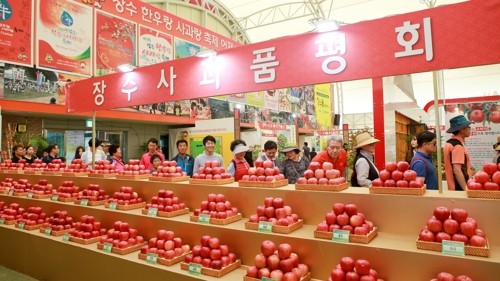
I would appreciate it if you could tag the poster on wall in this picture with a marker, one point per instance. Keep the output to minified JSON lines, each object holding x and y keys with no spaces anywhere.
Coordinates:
{"x":237,"y":98}
{"x":271,"y":98}
{"x":73,"y":140}
{"x":184,"y":49}
{"x":64,"y":37}
{"x":323,"y":106}
{"x":220,"y":109}
{"x":115,"y":43}
{"x":284,"y":100}
{"x":16,"y":31}
{"x":200,"y":109}
{"x":154,"y":46}
{"x":255,"y":99}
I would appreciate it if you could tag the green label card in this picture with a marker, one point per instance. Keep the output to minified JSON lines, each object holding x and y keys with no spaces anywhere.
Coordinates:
{"x":2,"y":220}
{"x":66,"y":237}
{"x":265,"y":226}
{"x":152,"y":212}
{"x":267,"y":279}
{"x":107,"y":247}
{"x":11,"y":192}
{"x":194,"y":268}
{"x":453,"y":248}
{"x":340,"y":235}
{"x":152,"y":258}
{"x":54,"y":197}
{"x":48,"y":231}
{"x":204,"y":218}
{"x":84,"y":202}
{"x":20,"y":225}
{"x":30,"y":195}
{"x":112,"y":205}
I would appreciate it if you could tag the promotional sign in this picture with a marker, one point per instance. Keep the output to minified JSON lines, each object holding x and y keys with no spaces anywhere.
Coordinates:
{"x":271,"y":98}
{"x":323,"y":105}
{"x":255,"y":99}
{"x":16,"y":31}
{"x":416,"y":42}
{"x":154,"y":46}
{"x":64,"y":37}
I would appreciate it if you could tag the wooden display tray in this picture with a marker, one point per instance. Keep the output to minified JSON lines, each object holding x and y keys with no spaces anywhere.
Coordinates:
{"x":229,"y":220}
{"x":211,"y":182}
{"x":84,"y":241}
{"x":215,"y":272}
{"x":27,"y":172}
{"x":127,"y":207}
{"x":469,"y":250}
{"x":277,"y":228}
{"x":488,"y":194}
{"x":353,"y":238}
{"x":322,"y":187}
{"x":305,"y":278}
{"x":133,"y":177}
{"x":168,"y":214}
{"x":51,"y":173}
{"x":30,"y":227}
{"x":11,"y":222}
{"x":64,"y":199}
{"x":42,"y":196}
{"x":171,"y":179}
{"x":263,"y":184}
{"x":4,"y":191}
{"x":54,"y":232}
{"x":74,"y":174}
{"x":398,"y":190}
{"x":123,"y":251}
{"x":20,"y":194}
{"x":164,"y":261}
{"x":92,"y":203}
{"x":90,"y":175}
{"x":13,"y":171}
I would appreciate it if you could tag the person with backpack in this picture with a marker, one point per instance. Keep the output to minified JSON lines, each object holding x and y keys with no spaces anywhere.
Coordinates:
{"x":421,"y":162}
{"x":456,"y":157}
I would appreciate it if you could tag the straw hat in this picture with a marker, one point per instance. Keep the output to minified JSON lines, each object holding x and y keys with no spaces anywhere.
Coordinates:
{"x":240,"y":148}
{"x":365,"y":139}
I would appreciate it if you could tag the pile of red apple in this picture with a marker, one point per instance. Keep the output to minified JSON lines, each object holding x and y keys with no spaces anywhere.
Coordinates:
{"x":67,"y":190}
{"x":211,"y":254}
{"x":122,"y":236}
{"x":455,"y":225}
{"x":21,"y":185}
{"x":264,"y":171}
{"x":42,"y":187}
{"x":487,"y":179}
{"x":345,"y":217}
{"x":217,"y":207}
{"x":323,"y":175}
{"x":33,"y":216}
{"x":169,"y":169}
{"x":211,"y":171}
{"x":445,"y":276}
{"x":134,"y":168}
{"x":126,"y":196}
{"x":350,"y":269}
{"x":76,"y":166}
{"x":87,"y":228}
{"x":93,"y":192}
{"x":7,"y":184}
{"x":12,"y":213}
{"x":103,"y":167}
{"x":166,"y":201}
{"x":165,"y":245}
{"x":397,"y":175}
{"x":37,"y":165}
{"x":9,"y":165}
{"x":59,"y":221}
{"x":274,"y":211}
{"x":56,"y":165}
{"x":277,"y":263}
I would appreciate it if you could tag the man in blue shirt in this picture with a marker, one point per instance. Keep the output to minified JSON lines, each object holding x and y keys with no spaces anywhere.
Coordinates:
{"x":184,"y":160}
{"x":422,"y":160}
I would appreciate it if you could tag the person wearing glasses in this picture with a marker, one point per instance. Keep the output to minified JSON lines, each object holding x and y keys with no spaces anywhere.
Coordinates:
{"x":364,"y":169}
{"x":421,"y":162}
{"x":334,"y":154}
{"x":456,"y":157}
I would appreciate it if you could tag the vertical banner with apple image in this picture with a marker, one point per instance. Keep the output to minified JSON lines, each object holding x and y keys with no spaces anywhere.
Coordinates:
{"x":154,"y":46}
{"x":115,"y":43}
{"x":16,"y":31}
{"x":64,"y":38}
{"x":323,"y":106}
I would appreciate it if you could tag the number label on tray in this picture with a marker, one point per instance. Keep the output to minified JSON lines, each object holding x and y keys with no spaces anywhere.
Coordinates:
{"x":454,"y":248}
{"x":107,"y":247}
{"x":20,"y":225}
{"x":204,"y":218}
{"x":2,"y":220}
{"x":152,"y":258}
{"x":84,"y":202}
{"x":65,"y":237}
{"x":340,"y":235}
{"x":194,"y":268}
{"x":11,"y":192}
{"x":30,"y":195}
{"x":152,"y":212}
{"x":265,"y":226}
{"x":48,"y":231}
{"x":112,"y":205}
{"x":54,"y":197}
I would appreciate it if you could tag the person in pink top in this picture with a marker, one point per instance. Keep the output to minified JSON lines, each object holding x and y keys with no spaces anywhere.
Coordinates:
{"x":116,"y":157}
{"x":153,"y":148}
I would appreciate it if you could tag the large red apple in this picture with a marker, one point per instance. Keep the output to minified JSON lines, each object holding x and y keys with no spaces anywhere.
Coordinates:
{"x":347,"y":264}
{"x":390,"y":183}
{"x":491,"y":186}
{"x":496,"y":177}
{"x":445,"y":276}
{"x":314,"y":166}
{"x":268,"y":164}
{"x":259,"y":163}
{"x":490,"y":168}
{"x":450,"y":226}
{"x":319,"y":173}
{"x":391,"y":166}
{"x":482,"y":177}
{"x":477,"y":241}
{"x":441,"y":213}
{"x":410,"y":175}
{"x":308,"y":174}
{"x":397,"y":175}
{"x":403,"y":166}
{"x":362,"y":266}
{"x":434,"y":225}
{"x":460,"y":215}
{"x":426,"y":235}
{"x":384,"y":175}
{"x":338,"y":208}
{"x":351,"y":209}
{"x":327,"y":166}
{"x":377,"y":182}
{"x":284,"y":251}
{"x":267,"y":248}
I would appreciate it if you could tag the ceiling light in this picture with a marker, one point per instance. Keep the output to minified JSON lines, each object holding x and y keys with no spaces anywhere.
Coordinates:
{"x":326,"y":25}
{"x":126,"y":67}
{"x":206,"y":54}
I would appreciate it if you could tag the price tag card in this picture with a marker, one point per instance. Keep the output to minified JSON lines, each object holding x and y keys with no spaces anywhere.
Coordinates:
{"x":194,"y":268}
{"x":11,"y":192}
{"x":107,"y":247}
{"x":30,"y":195}
{"x":20,"y":225}
{"x":66,"y":237}
{"x":84,"y":202}
{"x":265,"y":226}
{"x":151,"y":258}
{"x":453,"y":248}
{"x":48,"y":231}
{"x":267,"y":279}
{"x":2,"y":220}
{"x":54,"y":197}
{"x":152,"y":212}
{"x":112,"y":205}
{"x":341,"y":235}
{"x":203,"y":218}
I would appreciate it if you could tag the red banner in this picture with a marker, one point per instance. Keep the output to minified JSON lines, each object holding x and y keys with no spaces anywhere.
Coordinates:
{"x":451,"y":36}
{"x":16,"y":32}
{"x":157,"y":19}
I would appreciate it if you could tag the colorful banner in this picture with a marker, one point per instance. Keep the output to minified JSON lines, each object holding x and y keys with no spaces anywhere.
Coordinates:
{"x":115,"y":44}
{"x":154,"y":46}
{"x":255,"y":99}
{"x":271,"y":98}
{"x":285,"y":103}
{"x":184,"y":49}
{"x":323,"y":104}
{"x":362,"y":50}
{"x":16,"y":31}
{"x":237,"y":98}
{"x":64,"y":37}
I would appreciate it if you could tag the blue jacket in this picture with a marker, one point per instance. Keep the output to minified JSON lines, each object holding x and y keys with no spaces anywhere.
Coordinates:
{"x":186,"y":163}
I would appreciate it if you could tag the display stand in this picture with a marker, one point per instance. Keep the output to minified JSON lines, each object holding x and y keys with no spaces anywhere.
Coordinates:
{"x":263,"y":184}
{"x":211,"y":182}
{"x":167,"y":179}
{"x":398,"y":190}
{"x":353,"y":238}
{"x":215,"y":272}
{"x":320,"y":187}
{"x":168,"y":214}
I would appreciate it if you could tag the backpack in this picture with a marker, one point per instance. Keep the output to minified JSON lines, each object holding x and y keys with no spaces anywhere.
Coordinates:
{"x":455,"y":142}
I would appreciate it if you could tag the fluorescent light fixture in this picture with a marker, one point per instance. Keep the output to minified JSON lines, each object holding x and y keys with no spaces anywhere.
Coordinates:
{"x":326,"y":25}
{"x":206,"y":54}
{"x":126,"y":67}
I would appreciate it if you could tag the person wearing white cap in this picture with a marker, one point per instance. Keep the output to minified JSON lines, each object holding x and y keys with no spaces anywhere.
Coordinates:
{"x":239,"y":165}
{"x":364,"y":170}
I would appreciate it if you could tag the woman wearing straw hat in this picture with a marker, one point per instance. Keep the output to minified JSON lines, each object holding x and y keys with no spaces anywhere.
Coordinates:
{"x":239,"y":165}
{"x":295,"y":165}
{"x":364,"y":170}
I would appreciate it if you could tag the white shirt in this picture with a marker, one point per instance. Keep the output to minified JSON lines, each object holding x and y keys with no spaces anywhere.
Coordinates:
{"x":87,"y":156}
